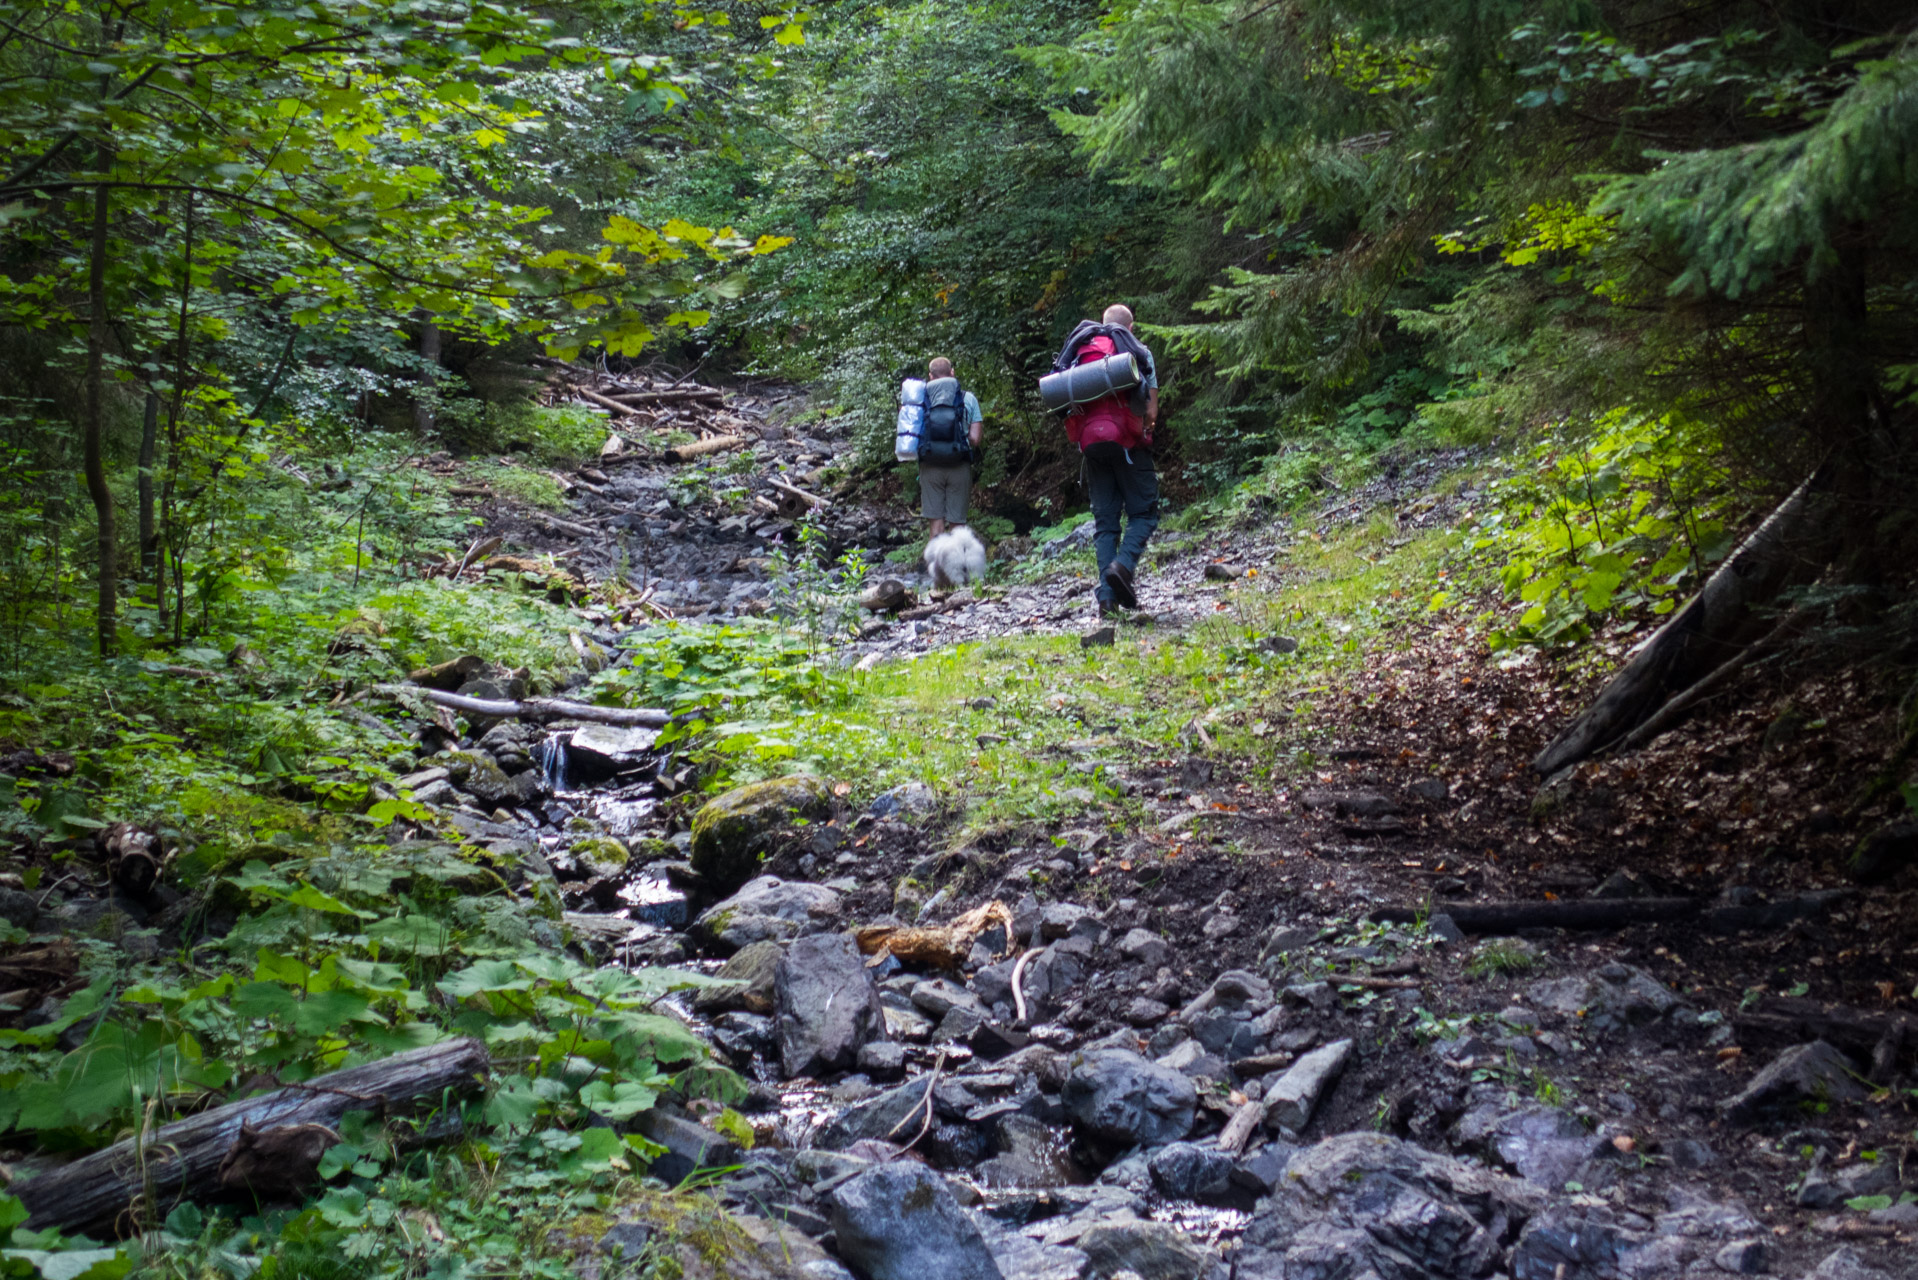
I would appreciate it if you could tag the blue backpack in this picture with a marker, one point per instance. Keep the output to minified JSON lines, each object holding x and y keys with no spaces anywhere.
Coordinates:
{"x":946,"y":438}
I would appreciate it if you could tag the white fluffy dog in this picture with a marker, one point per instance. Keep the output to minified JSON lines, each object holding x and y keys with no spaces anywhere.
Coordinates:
{"x":955,"y":558}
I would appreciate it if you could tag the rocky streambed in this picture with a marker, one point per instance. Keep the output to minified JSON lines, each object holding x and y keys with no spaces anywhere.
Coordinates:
{"x":1015,"y":1060}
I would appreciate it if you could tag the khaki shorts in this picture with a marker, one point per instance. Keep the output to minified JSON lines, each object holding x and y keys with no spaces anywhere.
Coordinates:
{"x":944,"y":491}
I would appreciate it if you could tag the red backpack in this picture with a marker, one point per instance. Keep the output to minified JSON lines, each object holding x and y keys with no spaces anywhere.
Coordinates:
{"x":1108,"y":420}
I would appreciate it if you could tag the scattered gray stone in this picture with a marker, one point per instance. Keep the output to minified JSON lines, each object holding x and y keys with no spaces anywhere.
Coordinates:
{"x":1142,"y":946}
{"x":908,"y":799}
{"x":893,"y":1116}
{"x":882,"y":1059}
{"x":1742,"y":1257}
{"x":1433,"y":789}
{"x":1145,"y":1013}
{"x":1825,"y":1188}
{"x":1319,"y":995}
{"x":1815,"y":1072}
{"x":1030,"y":1154}
{"x":1544,"y":1145}
{"x":1287,"y":938}
{"x":690,"y":1146}
{"x":1193,"y":1171}
{"x":755,"y":966}
{"x":1149,"y":1250}
{"x":1844,"y":1263}
{"x":1365,"y":1204}
{"x":827,"y":1006}
{"x":1613,"y":1000}
{"x":939,"y":995}
{"x":605,"y":748}
{"x":1569,"y":1242}
{"x":767,"y":909}
{"x":1118,"y":1097}
{"x":900,"y":1222}
{"x":1291,"y":1099}
{"x":1689,"y":1153}
{"x":18,"y":908}
{"x":1445,"y":929}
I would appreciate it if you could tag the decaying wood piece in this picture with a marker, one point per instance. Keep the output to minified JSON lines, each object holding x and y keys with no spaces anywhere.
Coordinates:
{"x":1587,"y":913}
{"x":184,"y":1160}
{"x":1244,"y":1122}
{"x":794,"y":491}
{"x":1709,"y":631}
{"x":534,"y":708}
{"x":700,"y":448}
{"x":607,"y":403}
{"x":448,"y":675}
{"x":672,"y":395}
{"x":1619,"y":913}
{"x":569,"y":527}
{"x":940,"y":947}
{"x":887,"y":595}
{"x":1882,"y":1038}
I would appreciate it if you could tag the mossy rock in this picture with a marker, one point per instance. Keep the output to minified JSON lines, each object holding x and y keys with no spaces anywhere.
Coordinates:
{"x":606,"y":854}
{"x":478,"y":775}
{"x":734,"y":832}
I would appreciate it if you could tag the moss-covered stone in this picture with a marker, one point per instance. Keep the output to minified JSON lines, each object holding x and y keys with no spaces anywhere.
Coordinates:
{"x":479,"y":775}
{"x":606,"y":854}
{"x":733,"y":832}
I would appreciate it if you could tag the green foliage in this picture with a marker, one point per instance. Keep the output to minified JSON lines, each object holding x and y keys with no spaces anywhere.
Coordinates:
{"x":1611,"y":526}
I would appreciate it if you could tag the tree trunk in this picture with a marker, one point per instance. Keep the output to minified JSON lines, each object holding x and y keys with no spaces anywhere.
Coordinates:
{"x":93,"y":430}
{"x":183,"y":1160}
{"x":1717,"y":623}
{"x":149,"y":539}
{"x":534,"y":708}
{"x":428,"y":390}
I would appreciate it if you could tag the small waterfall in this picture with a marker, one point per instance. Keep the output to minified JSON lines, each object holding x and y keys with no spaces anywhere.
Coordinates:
{"x":551,"y":754}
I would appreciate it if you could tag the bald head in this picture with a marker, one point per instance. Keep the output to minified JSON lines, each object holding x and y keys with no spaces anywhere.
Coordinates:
{"x":939,"y":368}
{"x":1118,"y":314}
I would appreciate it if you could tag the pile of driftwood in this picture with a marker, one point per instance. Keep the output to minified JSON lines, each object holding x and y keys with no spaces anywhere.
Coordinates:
{"x":638,"y":407}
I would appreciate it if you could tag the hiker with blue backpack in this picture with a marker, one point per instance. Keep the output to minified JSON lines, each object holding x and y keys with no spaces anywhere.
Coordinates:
{"x":940,"y":425}
{"x":1107,"y":384}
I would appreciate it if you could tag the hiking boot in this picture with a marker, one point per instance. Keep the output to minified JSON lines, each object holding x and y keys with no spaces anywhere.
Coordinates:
{"x":1109,"y":609}
{"x":1118,"y":580}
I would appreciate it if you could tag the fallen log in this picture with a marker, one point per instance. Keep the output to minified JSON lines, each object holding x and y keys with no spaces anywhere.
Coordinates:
{"x":607,"y":403}
{"x":676,"y":395}
{"x":700,"y":448}
{"x":569,"y":528}
{"x":1589,"y":913}
{"x":1778,"y":1022}
{"x":534,"y":708}
{"x":1717,"y":623}
{"x":181,"y":1161}
{"x":1244,"y":1122}
{"x":794,"y":491}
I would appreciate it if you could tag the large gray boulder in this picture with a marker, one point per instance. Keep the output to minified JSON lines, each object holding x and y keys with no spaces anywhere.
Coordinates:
{"x":734,"y":832}
{"x":1613,"y":999}
{"x":826,"y":1005}
{"x":1149,"y":1250}
{"x":1816,"y":1072}
{"x":1367,"y":1204}
{"x":899,"y":1221}
{"x":1121,"y":1098}
{"x":767,"y":909}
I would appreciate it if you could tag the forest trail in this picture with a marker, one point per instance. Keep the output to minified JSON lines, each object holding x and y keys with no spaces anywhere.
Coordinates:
{"x":1199,"y":948}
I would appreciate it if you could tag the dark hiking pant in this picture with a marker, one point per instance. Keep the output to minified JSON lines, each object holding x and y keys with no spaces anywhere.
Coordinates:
{"x":1118,"y":486}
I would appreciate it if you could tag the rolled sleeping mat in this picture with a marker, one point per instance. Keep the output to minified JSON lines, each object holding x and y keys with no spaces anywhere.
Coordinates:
{"x":1095,"y":380}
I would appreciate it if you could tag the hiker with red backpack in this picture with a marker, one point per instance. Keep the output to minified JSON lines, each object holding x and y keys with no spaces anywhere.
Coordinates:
{"x":1107,"y":382}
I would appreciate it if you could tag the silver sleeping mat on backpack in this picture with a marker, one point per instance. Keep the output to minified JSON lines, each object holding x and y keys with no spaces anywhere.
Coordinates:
{"x":1084,"y":383}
